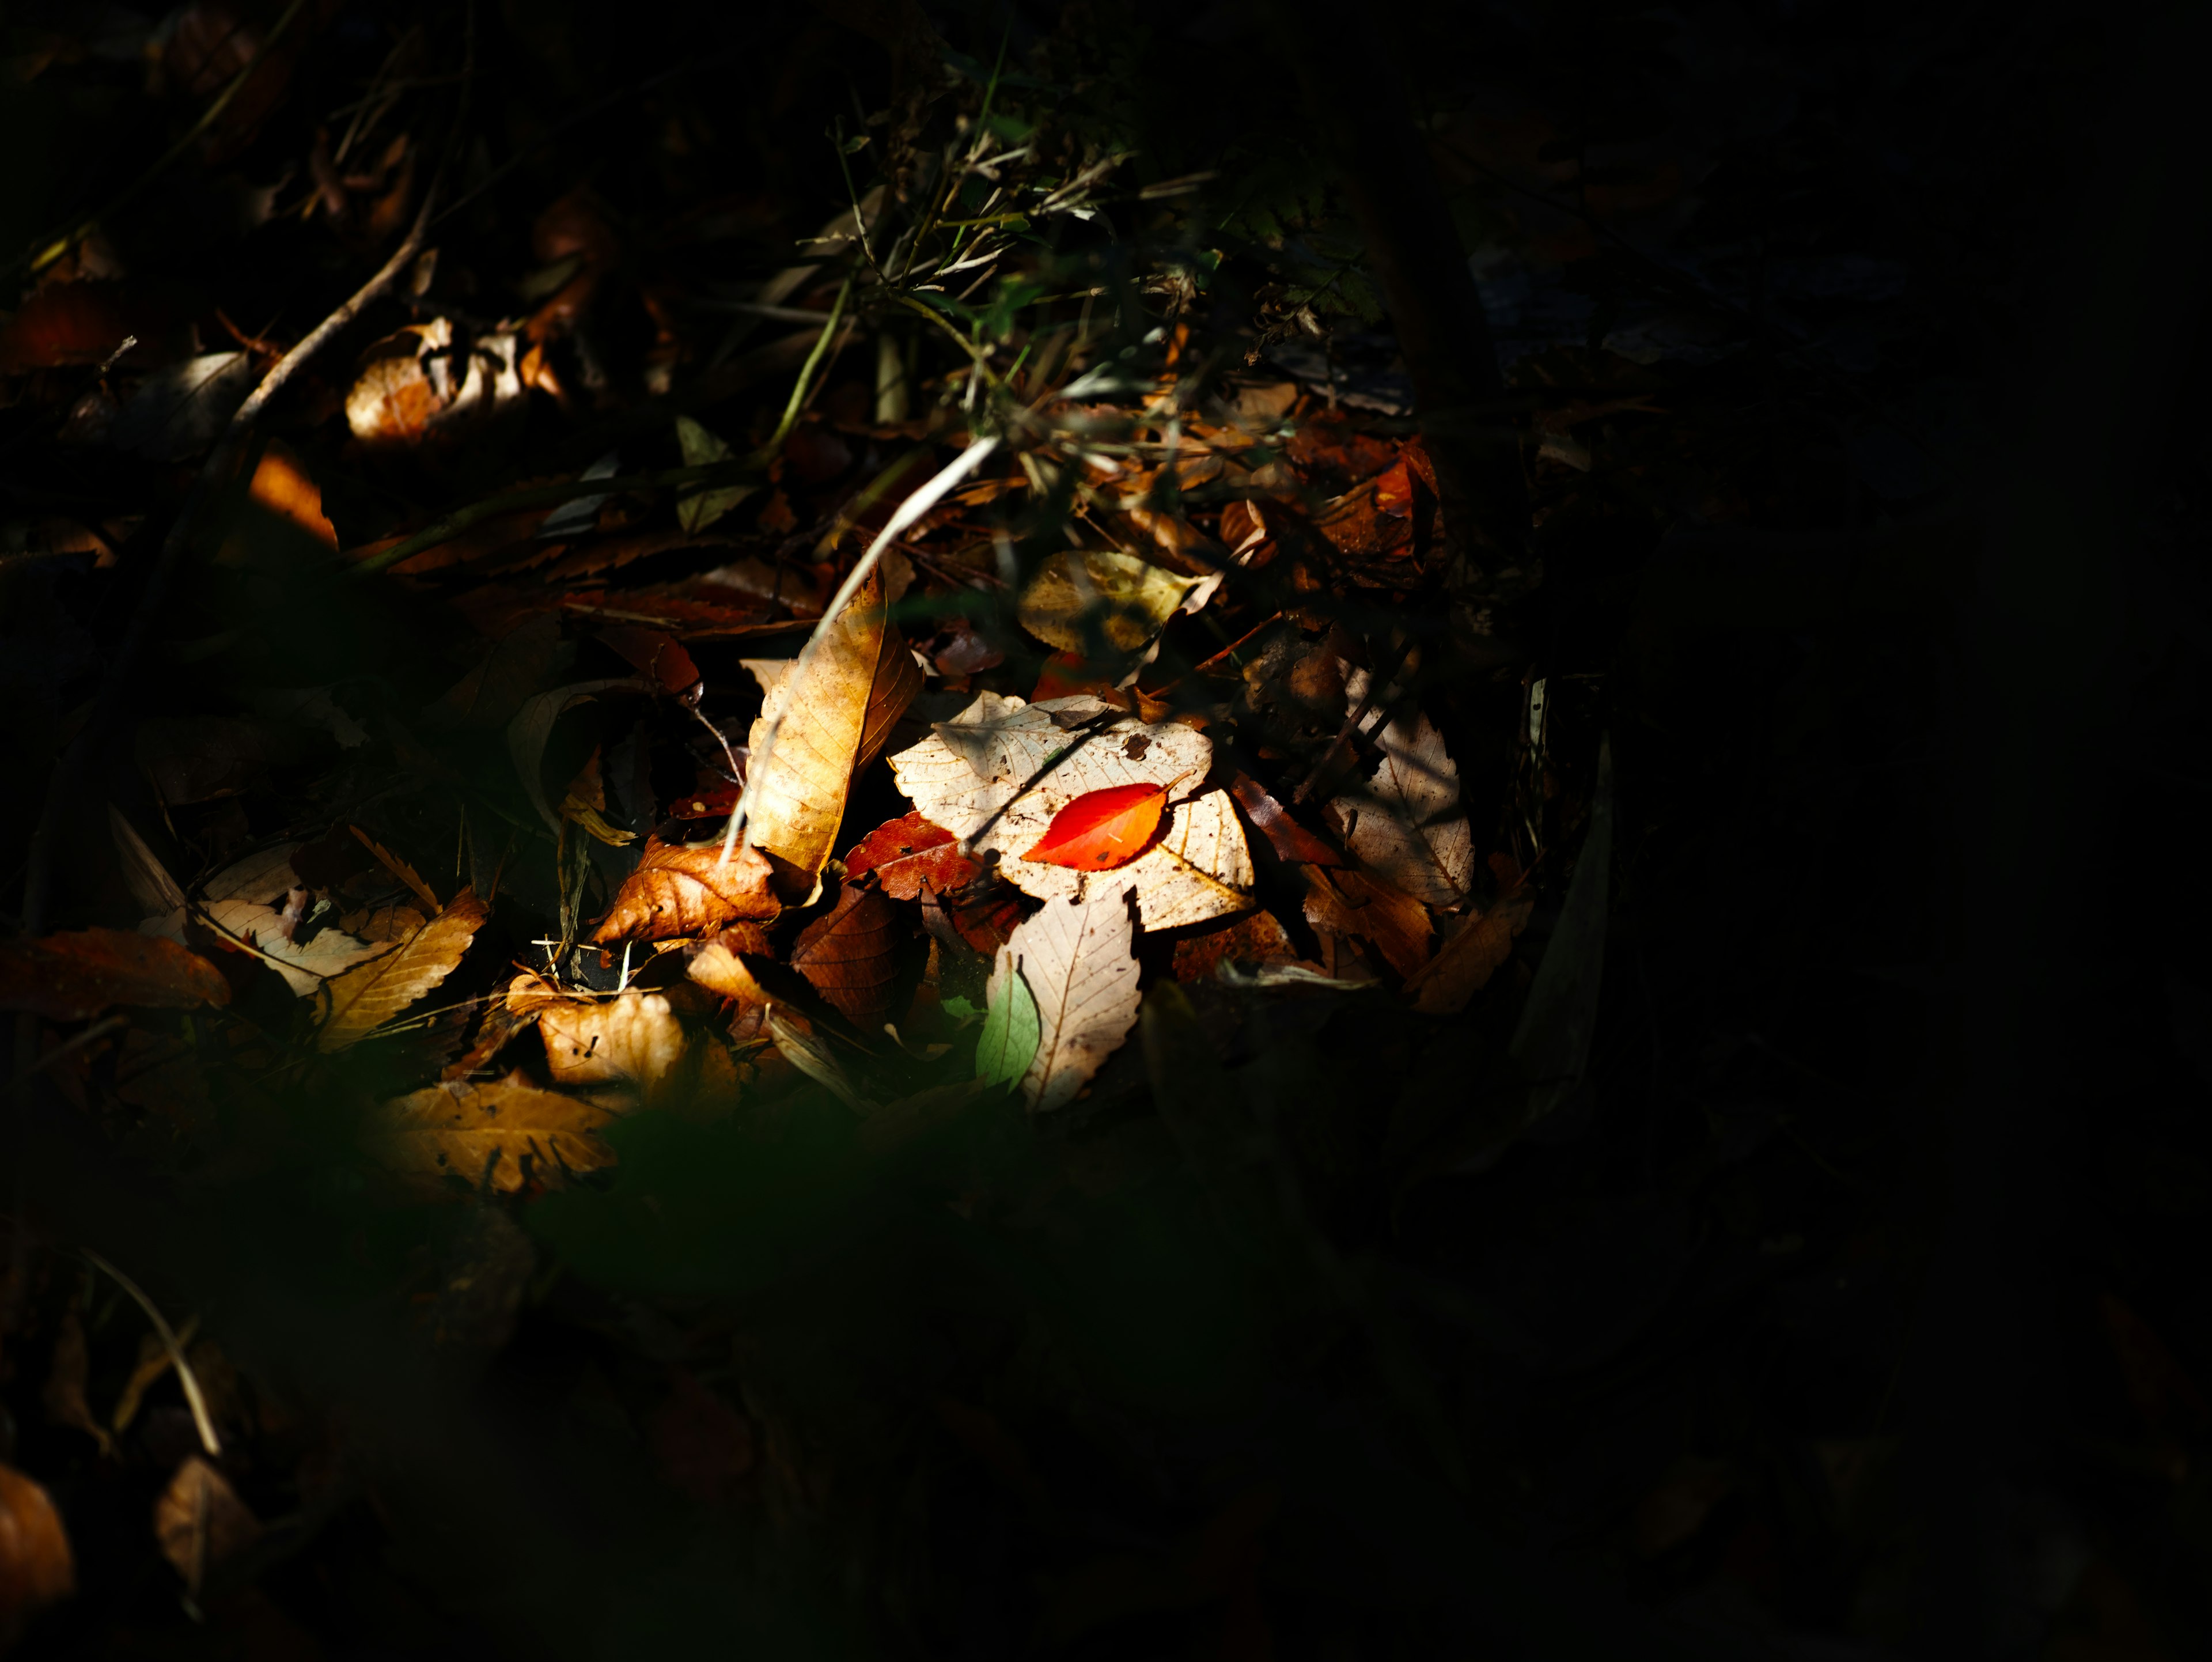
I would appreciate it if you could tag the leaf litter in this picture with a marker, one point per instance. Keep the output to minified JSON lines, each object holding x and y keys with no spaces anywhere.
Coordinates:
{"x":1179,"y":743}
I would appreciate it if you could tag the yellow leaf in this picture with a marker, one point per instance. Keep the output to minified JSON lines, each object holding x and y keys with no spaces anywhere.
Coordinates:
{"x":860,"y":681}
{"x":1125,"y":599}
{"x":364,"y":999}
{"x":507,"y":1128}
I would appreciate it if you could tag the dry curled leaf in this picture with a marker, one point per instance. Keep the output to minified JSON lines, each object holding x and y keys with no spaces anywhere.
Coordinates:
{"x":1075,"y":959}
{"x":685,"y":889}
{"x":1474,"y":951}
{"x":1353,"y":903}
{"x":850,"y":955}
{"x":504,"y":1132}
{"x":364,"y":999}
{"x":201,"y":1523}
{"x":860,"y":682}
{"x":632,"y":1042}
{"x":36,"y":1566}
{"x":69,"y":977}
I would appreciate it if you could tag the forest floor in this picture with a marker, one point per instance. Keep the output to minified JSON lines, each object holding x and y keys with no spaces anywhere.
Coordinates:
{"x":805,"y":897}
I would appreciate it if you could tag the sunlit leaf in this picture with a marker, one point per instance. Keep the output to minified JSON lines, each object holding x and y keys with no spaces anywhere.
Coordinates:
{"x":1102,"y":828}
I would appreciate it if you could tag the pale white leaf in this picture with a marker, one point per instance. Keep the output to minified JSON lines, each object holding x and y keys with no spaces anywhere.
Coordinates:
{"x":1406,"y":822}
{"x":1075,"y":958}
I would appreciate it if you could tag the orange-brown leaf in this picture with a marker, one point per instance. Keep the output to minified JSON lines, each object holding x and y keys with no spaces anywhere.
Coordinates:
{"x":851,"y":955}
{"x":909,"y":855}
{"x":1102,"y":828}
{"x":366,"y":996}
{"x":1353,"y":903}
{"x":69,"y":977}
{"x":683,"y":889}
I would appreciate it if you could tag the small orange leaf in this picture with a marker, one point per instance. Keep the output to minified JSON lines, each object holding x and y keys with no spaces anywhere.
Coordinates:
{"x":1102,"y":828}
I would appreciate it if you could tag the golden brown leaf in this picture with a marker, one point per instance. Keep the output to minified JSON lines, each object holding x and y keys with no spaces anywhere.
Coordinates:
{"x":685,"y":889}
{"x":201,"y":1523}
{"x":1465,"y":963}
{"x":1352,"y":901}
{"x":36,"y":1568}
{"x":364,"y":999}
{"x":632,"y":1042}
{"x":851,"y":954}
{"x":860,"y":681}
{"x":507,"y":1131}
{"x":68,"y":977}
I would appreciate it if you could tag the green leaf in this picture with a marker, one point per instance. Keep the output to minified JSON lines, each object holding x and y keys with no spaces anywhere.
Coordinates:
{"x":1012,"y":1026}
{"x":696,"y":512}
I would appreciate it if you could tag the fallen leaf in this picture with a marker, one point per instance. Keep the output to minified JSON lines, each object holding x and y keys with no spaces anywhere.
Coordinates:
{"x":850,"y":955}
{"x":154,"y":1360}
{"x":282,"y":491}
{"x":197,"y":758}
{"x":1256,"y":937}
{"x":700,"y":508}
{"x":658,"y":657}
{"x":1291,"y":842}
{"x":201,"y":1523}
{"x":1081,"y":598}
{"x":398,"y":867}
{"x":431,"y":382}
{"x":66,"y":323}
{"x":1464,"y":964}
{"x":1008,"y":1042}
{"x":719,"y":967}
{"x":632,"y":1042}
{"x":1353,"y":903}
{"x":806,"y":1050}
{"x":531,"y":729}
{"x":505,"y":1132}
{"x":1102,"y":828}
{"x":698,"y":1442}
{"x":72,"y":976}
{"x":1075,"y":959}
{"x":686,"y":889}
{"x":67,"y":1372}
{"x":998,"y":774}
{"x":156,"y":893}
{"x":36,"y":1566}
{"x":1406,"y":822}
{"x":364,"y":999}
{"x":909,"y":855}
{"x":859,"y":683}
{"x":181,"y":410}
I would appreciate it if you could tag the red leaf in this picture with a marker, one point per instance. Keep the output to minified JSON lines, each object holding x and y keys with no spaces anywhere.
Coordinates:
{"x":1102,"y":828}
{"x":714,"y":802}
{"x":68,"y":977}
{"x":909,"y":855}
{"x":660,"y":656}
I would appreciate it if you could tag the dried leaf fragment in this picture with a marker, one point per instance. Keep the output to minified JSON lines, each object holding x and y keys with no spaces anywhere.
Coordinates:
{"x":1079,"y":599}
{"x":505,"y":1133}
{"x":685,"y":889}
{"x":1465,"y":963}
{"x":1406,"y":822}
{"x":364,"y":999}
{"x":632,"y":1042}
{"x":76,"y":975}
{"x":201,"y":1523}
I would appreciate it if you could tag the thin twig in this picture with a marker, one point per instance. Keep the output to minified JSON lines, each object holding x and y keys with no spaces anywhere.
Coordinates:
{"x":185,"y":1374}
{"x":907,"y":512}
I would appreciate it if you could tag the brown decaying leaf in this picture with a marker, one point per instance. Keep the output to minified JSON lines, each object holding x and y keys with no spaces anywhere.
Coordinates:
{"x":860,"y":682}
{"x":1353,"y":902}
{"x":1291,"y":841}
{"x":1405,"y":821}
{"x":685,"y":889}
{"x":1254,"y":938}
{"x":198,"y":758}
{"x":67,"y":1375}
{"x":719,"y":967}
{"x":399,"y":868}
{"x":909,"y":855}
{"x":364,"y":999}
{"x":1075,"y":956}
{"x":507,"y":1129}
{"x":632,"y":1042}
{"x":1475,"y":950}
{"x":69,"y":977}
{"x":36,"y":1566}
{"x":201,"y":1523}
{"x":850,"y":954}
